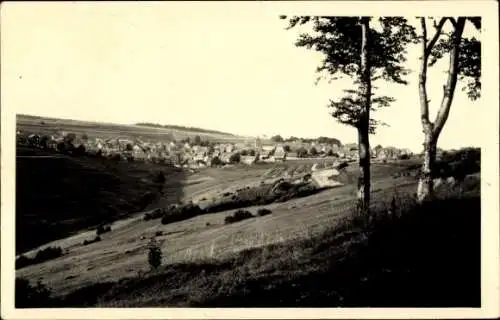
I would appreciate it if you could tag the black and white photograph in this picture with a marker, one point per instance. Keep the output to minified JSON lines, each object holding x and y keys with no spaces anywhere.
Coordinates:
{"x":219,"y":155}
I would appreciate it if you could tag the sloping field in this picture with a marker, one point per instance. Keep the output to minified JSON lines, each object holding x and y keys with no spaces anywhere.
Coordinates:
{"x":57,"y":195}
{"x":122,"y":252}
{"x":109,"y":130}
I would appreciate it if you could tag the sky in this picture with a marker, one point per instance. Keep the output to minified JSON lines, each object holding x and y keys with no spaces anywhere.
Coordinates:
{"x":219,"y":68}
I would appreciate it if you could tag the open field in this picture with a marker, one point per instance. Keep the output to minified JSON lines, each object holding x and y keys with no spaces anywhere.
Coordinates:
{"x":43,"y":125}
{"x":122,"y":253}
{"x":425,"y":256}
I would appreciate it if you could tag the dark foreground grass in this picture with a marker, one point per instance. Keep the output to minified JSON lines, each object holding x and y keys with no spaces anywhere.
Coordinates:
{"x":405,"y":255}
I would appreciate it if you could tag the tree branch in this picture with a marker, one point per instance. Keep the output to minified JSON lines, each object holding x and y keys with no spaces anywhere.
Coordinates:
{"x":453,"y":22}
{"x":449,"y":88}
{"x":432,"y":42}
{"x":422,"y":79}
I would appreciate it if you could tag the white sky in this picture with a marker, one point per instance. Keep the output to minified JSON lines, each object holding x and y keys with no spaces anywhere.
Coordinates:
{"x":220,"y":68}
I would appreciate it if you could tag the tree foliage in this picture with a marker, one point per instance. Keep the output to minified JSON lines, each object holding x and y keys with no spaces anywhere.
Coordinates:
{"x":154,"y":254}
{"x":339,"y":40}
{"x":469,"y":57}
{"x":277,"y":138}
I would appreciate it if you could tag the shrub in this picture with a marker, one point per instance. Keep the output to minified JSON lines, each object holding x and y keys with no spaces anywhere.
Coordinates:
{"x":216,"y":161}
{"x":159,"y":178}
{"x":154,"y":254}
{"x":87,"y":242}
{"x":238,"y":215}
{"x":28,"y":296}
{"x":302,"y":152}
{"x":102,"y":229}
{"x":154,"y":214}
{"x":235,"y":158}
{"x":179,"y":213}
{"x":42,"y":255}
{"x":263,"y":212}
{"x":313,"y":151}
{"x":80,"y":150}
{"x":48,"y":253}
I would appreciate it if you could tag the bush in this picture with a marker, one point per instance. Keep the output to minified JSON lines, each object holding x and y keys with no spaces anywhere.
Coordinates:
{"x":42,"y":255}
{"x":22,"y":261}
{"x":263,"y":212}
{"x":154,"y":214}
{"x":48,"y":253}
{"x":69,"y":138}
{"x":28,"y":296}
{"x":235,"y":158}
{"x":179,"y":213}
{"x":87,"y":242}
{"x":302,"y":152}
{"x":154,"y":254}
{"x":80,"y":150}
{"x":159,"y":178}
{"x":102,"y":229}
{"x":238,"y":215}
{"x":216,"y":161}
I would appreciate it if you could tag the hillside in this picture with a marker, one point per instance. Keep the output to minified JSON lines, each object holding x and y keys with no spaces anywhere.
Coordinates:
{"x":121,"y":252}
{"x":45,"y":125}
{"x":414,"y":257}
{"x":61,"y":194}
{"x":182,"y":128}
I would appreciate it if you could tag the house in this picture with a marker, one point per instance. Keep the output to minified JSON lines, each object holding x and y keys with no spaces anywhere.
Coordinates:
{"x":225,"y":157}
{"x":229,"y":148}
{"x":139,"y":154}
{"x":279,"y":153}
{"x":52,"y":144}
{"x":249,"y":160}
{"x":267,"y":150}
{"x":199,"y":157}
{"x":258,"y":144}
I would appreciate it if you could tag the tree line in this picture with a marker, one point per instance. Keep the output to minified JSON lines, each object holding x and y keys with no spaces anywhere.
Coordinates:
{"x":326,"y":140}
{"x":369,"y":50}
{"x":182,"y":128}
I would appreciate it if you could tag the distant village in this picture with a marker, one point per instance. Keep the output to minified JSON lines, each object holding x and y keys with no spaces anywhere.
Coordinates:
{"x":198,"y":153}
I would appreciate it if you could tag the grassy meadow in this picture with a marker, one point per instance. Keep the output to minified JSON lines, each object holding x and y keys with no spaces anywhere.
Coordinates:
{"x":310,"y":251}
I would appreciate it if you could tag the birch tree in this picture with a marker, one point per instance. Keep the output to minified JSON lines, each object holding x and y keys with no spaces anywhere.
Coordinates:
{"x":464,"y":64}
{"x":353,"y":48}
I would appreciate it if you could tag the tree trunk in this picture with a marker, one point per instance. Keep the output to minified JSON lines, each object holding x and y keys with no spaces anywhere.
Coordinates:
{"x":432,"y":130}
{"x":426,"y":183}
{"x":363,"y":195}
